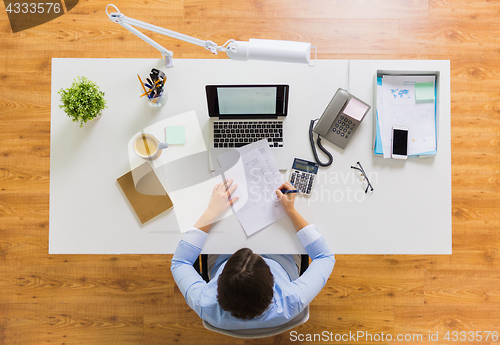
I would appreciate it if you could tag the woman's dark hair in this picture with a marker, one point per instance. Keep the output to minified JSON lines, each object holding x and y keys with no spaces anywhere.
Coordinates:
{"x":245,"y":286}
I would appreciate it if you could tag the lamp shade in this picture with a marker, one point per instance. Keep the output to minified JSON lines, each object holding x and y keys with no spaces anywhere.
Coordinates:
{"x":270,"y":50}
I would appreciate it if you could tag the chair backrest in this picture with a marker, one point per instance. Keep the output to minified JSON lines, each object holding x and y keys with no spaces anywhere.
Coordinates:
{"x":262,"y":332}
{"x":203,"y":268}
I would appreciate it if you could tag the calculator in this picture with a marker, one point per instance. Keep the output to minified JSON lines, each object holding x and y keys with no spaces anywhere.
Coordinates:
{"x":303,"y":175}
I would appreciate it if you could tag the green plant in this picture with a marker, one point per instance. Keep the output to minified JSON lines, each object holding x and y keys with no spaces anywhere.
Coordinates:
{"x":83,"y":101}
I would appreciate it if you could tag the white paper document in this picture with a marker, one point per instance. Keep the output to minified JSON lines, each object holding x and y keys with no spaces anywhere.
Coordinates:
{"x":229,"y":158}
{"x":184,"y":207}
{"x":257,"y":182}
{"x":397,"y":107}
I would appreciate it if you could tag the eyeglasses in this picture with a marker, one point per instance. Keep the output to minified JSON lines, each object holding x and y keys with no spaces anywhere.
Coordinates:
{"x":364,"y":175}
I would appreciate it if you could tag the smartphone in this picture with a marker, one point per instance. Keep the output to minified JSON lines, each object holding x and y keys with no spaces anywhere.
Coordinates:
{"x":399,"y":142}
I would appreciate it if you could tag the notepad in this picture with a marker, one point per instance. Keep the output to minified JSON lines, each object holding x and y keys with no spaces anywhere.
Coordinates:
{"x":175,"y":135}
{"x":145,"y":192}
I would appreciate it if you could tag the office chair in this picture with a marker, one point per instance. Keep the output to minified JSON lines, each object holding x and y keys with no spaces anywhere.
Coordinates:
{"x":203,"y":270}
{"x":262,"y":332}
{"x":257,"y":332}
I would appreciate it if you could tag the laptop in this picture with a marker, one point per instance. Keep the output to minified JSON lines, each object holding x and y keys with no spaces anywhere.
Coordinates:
{"x":242,"y":114}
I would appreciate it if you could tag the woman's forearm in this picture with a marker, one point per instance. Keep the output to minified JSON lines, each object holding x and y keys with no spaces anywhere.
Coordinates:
{"x":205,"y":221}
{"x":298,"y":221}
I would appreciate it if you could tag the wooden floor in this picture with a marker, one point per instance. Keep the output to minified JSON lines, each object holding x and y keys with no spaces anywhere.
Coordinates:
{"x":132,"y":299}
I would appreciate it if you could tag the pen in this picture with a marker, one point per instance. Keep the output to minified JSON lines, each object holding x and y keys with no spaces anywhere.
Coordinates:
{"x":289,"y":191}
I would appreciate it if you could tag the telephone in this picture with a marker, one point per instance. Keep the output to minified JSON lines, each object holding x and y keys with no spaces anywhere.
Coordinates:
{"x":339,"y":121}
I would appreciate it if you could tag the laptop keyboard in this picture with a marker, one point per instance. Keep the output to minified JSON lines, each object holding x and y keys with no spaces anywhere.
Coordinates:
{"x":239,"y":133}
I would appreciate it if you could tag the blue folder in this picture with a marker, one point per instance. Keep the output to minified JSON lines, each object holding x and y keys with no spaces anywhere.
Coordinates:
{"x":378,"y":141}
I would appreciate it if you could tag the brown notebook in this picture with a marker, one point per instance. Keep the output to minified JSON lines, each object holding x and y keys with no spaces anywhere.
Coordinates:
{"x":145,"y":192}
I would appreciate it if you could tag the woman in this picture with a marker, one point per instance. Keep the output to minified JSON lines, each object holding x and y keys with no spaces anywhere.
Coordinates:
{"x":248,"y":290}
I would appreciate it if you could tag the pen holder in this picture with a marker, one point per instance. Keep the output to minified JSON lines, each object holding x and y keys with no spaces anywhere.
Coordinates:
{"x":158,"y":101}
{"x":154,"y":88}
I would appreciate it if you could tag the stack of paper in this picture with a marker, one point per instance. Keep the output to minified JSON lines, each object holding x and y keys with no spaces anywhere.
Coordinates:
{"x":254,"y":169}
{"x":406,"y":101}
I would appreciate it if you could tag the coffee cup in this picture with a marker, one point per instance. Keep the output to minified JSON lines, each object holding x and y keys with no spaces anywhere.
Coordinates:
{"x":148,"y":147}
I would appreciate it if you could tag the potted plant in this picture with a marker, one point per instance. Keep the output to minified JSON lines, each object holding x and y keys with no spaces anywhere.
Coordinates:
{"x":83,"y":101}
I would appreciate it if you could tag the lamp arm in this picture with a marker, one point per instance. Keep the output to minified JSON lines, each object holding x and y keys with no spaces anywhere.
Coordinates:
{"x":165,"y":52}
{"x":129,"y":23}
{"x":165,"y":32}
{"x":254,"y":49}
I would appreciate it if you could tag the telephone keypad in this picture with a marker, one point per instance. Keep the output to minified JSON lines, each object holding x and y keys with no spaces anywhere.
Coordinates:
{"x":343,"y":127}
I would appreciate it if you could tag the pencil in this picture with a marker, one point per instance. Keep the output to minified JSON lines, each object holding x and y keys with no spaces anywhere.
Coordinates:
{"x":142,"y":84}
{"x":147,"y":93}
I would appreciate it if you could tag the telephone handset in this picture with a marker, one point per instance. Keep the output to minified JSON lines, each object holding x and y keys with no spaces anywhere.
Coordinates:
{"x":339,"y":121}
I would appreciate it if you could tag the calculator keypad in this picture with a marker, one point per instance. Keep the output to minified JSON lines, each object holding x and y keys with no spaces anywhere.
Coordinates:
{"x":302,"y":181}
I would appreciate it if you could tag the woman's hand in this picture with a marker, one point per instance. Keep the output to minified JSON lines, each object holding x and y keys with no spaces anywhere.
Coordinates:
{"x":221,"y":198}
{"x":219,"y":202}
{"x":286,"y":200}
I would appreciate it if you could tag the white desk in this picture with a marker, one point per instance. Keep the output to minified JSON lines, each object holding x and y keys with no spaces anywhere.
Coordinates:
{"x":408,"y":213}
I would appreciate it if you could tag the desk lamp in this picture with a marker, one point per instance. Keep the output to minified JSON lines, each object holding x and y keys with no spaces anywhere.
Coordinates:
{"x":254,"y":49}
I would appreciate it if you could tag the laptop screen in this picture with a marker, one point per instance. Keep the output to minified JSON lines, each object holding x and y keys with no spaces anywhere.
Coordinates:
{"x":247,"y":101}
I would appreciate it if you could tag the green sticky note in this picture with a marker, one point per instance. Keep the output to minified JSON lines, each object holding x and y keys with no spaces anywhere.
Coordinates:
{"x":175,"y":135}
{"x":424,"y":92}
